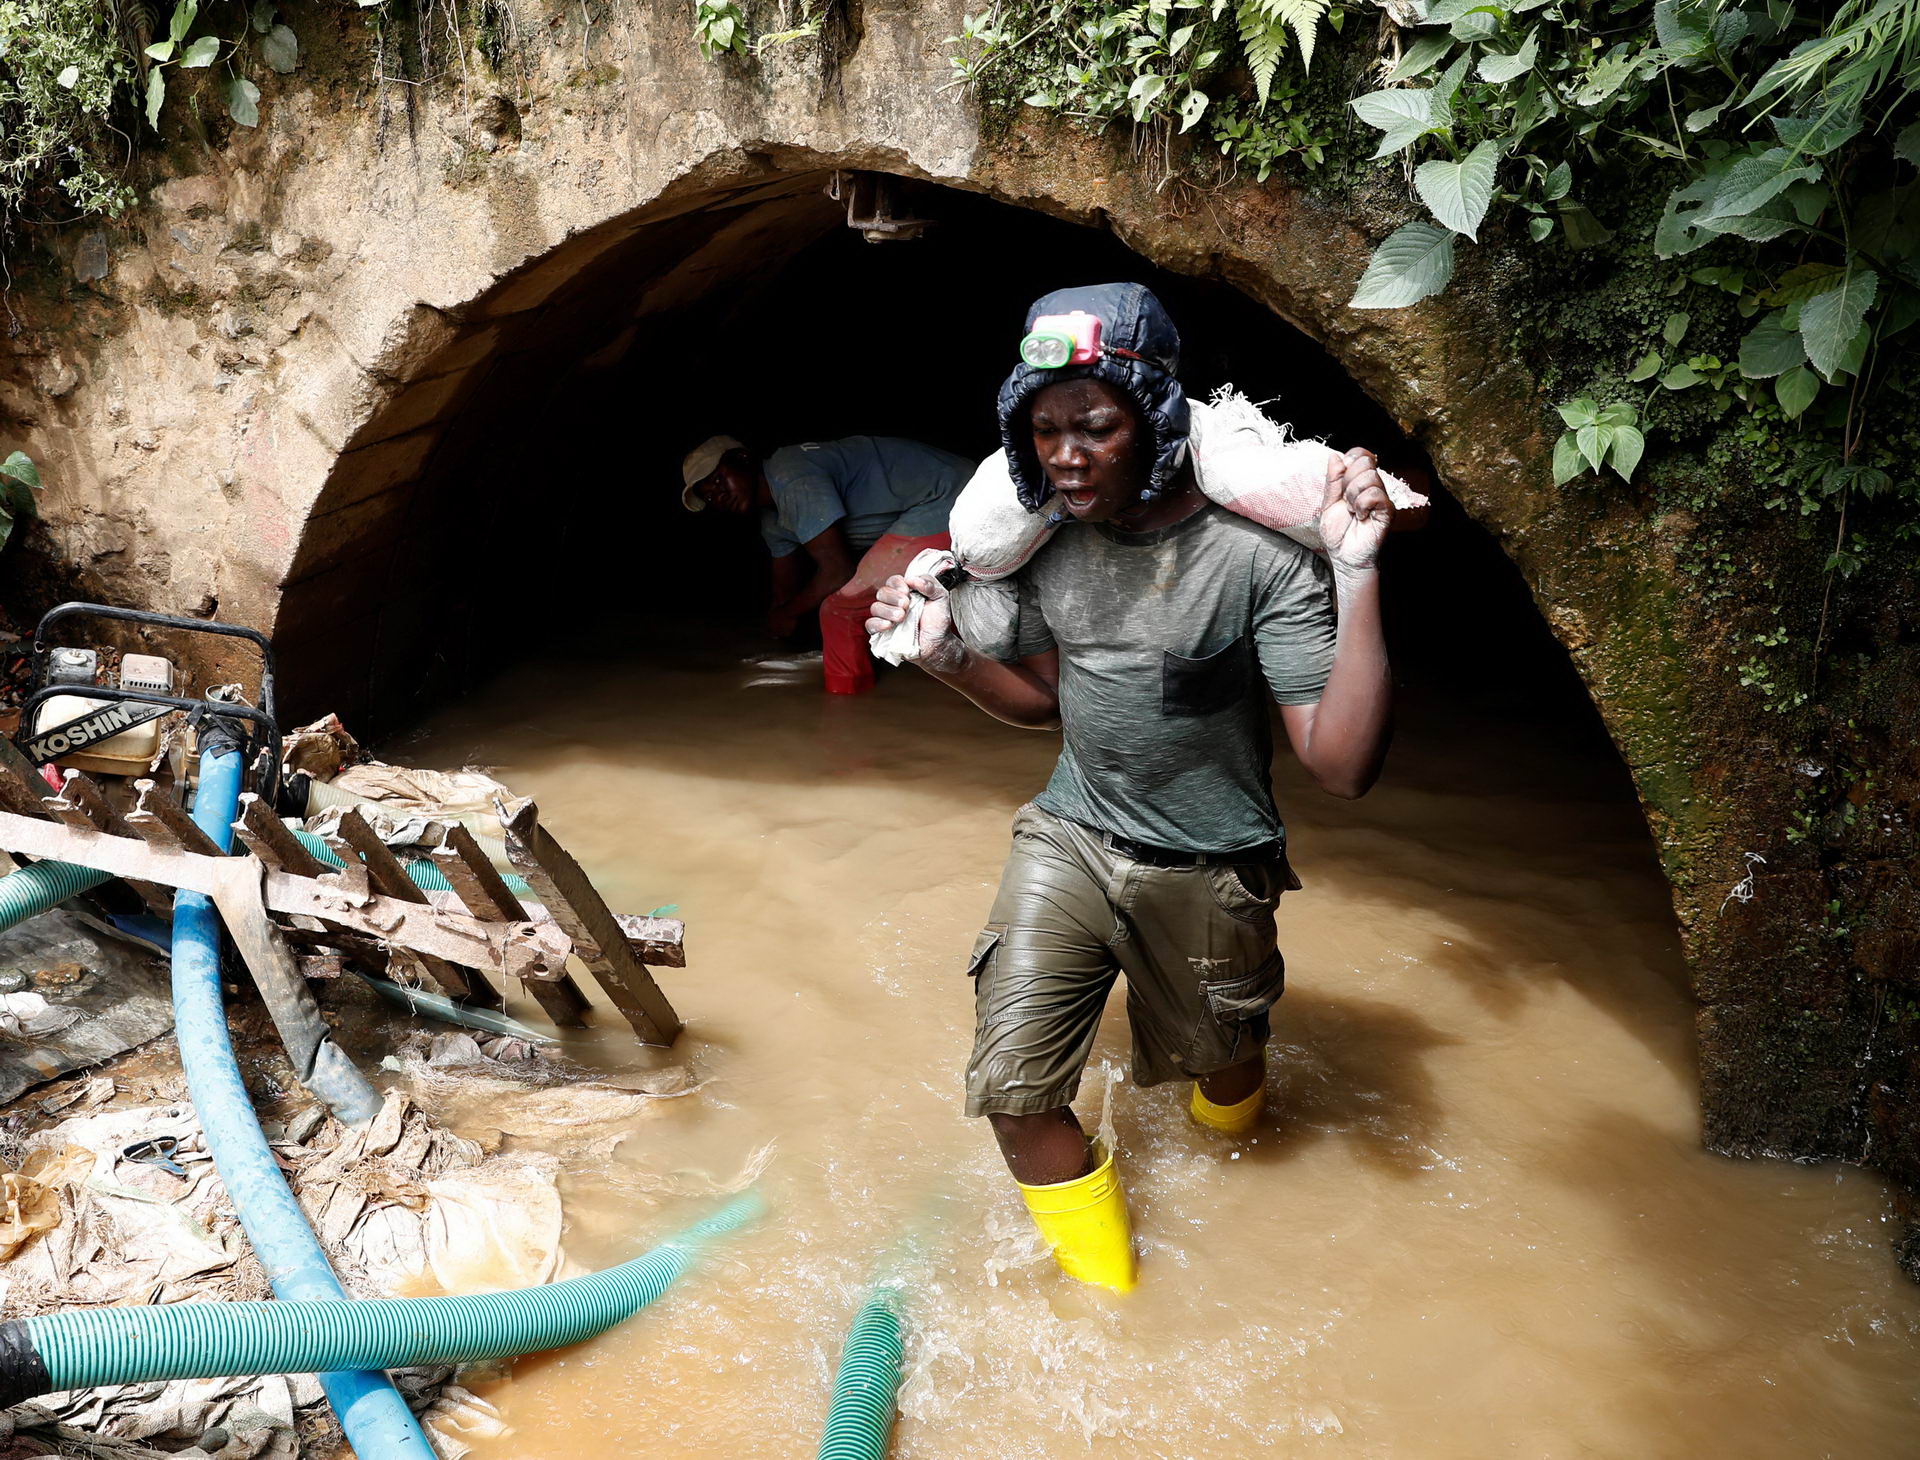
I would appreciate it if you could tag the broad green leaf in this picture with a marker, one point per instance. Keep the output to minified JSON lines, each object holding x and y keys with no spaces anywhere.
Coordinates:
{"x":281,"y":48}
{"x":1415,"y":261}
{"x":1605,"y":77}
{"x":1458,"y":193}
{"x":1192,"y":109}
{"x":161,"y":50}
{"x":1855,"y":354}
{"x":1906,"y":146}
{"x":1771,"y":348}
{"x":1402,"y":115}
{"x":156,"y":95}
{"x":1753,"y":181}
{"x":1771,"y":222}
{"x":1420,"y":57}
{"x":1706,"y":116}
{"x":1446,"y":12}
{"x":1818,"y":135}
{"x":1675,"y":329}
{"x":1646,"y":367}
{"x":1626,"y":449}
{"x":1830,"y":320}
{"x":243,"y":102}
{"x":1566,"y":460}
{"x":1802,"y":282}
{"x":1679,"y":28}
{"x":1498,"y":68}
{"x":182,"y":21}
{"x":19,"y":467}
{"x":1620,"y":413}
{"x":264,"y":12}
{"x":1558,"y":184}
{"x":1593,"y":442}
{"x":1795,"y":390}
{"x":68,"y":78}
{"x":1578,"y":412}
{"x":1446,"y":88}
{"x":1808,"y":200}
{"x":1539,"y":228}
{"x":1479,"y":24}
{"x":1681,"y":377}
{"x":201,"y":53}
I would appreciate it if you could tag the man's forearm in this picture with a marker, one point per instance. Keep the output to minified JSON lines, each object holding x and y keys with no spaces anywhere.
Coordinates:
{"x":1351,"y":724}
{"x":1008,"y":692}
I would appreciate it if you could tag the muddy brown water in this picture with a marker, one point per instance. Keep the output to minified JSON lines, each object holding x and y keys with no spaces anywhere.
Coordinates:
{"x":1477,"y":1221}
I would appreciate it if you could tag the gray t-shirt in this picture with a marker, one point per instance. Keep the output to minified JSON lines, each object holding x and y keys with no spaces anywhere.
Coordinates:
{"x":1165,"y":638}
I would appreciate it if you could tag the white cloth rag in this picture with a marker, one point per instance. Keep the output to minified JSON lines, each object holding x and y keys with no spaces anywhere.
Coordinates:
{"x":901,"y":643}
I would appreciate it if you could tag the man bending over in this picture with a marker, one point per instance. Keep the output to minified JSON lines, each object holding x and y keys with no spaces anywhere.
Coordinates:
{"x":1150,"y":630}
{"x":839,"y":517}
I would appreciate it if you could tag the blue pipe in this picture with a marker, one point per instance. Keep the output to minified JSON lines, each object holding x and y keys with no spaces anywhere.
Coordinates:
{"x":376,"y":1419}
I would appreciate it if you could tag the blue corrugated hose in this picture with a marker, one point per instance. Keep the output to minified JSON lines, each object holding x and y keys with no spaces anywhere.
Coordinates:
{"x":376,"y":1419}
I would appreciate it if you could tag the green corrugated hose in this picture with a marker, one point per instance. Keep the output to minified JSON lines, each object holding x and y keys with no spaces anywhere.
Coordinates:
{"x":425,"y":876}
{"x":860,"y":1419}
{"x":45,"y":885}
{"x":206,"y":1340}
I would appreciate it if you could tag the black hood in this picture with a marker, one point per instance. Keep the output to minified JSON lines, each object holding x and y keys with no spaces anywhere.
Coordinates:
{"x":1130,"y":319}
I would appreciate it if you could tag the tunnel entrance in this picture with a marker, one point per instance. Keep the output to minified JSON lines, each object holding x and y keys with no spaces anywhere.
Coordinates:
{"x":523,"y":492}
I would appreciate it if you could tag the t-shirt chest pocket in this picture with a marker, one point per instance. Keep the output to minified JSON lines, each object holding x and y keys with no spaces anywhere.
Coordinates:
{"x":1205,"y":685}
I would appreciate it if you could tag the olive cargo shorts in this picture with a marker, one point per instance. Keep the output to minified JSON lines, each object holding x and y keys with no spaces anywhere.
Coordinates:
{"x":1196,"y":944}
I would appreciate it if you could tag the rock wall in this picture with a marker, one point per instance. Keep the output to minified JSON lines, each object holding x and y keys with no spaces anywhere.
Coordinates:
{"x":241,"y":389}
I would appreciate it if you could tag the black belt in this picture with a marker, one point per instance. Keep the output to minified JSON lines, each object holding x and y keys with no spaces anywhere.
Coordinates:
{"x":1154,"y":856}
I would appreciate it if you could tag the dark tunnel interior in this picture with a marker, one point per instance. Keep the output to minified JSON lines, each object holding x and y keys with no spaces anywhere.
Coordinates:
{"x":575,"y":466}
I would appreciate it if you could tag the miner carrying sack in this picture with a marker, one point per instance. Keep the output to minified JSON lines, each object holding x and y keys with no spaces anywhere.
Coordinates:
{"x":1150,"y":629}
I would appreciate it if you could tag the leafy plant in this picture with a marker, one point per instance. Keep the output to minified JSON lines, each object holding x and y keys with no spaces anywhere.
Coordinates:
{"x":1162,"y":66}
{"x":719,"y":27}
{"x":1596,"y":437}
{"x":63,"y":71}
{"x":279,"y":48}
{"x":19,"y":480}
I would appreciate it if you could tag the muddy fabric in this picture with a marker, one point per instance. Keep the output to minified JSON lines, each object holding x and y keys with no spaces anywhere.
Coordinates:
{"x":1165,"y":640}
{"x":1196,"y":945}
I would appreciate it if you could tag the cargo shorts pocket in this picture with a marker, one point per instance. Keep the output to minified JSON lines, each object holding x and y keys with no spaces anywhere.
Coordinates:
{"x":1205,"y":685}
{"x":983,"y":947}
{"x":1234,"y":1017}
{"x":1248,"y":891}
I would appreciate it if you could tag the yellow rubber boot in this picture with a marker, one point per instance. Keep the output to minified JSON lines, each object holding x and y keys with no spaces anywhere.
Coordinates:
{"x":1230,"y":1120}
{"x":1085,"y":1223}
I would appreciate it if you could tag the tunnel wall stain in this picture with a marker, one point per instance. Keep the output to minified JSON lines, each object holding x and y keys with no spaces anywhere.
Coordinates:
{"x":245,"y":414}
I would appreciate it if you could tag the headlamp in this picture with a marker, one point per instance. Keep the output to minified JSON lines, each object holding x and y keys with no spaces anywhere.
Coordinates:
{"x":1062,"y":339}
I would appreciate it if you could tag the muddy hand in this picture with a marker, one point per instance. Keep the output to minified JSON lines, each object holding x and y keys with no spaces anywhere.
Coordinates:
{"x":1356,"y":514}
{"x":938,"y":646}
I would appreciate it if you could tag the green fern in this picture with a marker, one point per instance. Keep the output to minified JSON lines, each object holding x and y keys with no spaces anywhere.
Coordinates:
{"x":1304,"y":16}
{"x":1263,"y":33}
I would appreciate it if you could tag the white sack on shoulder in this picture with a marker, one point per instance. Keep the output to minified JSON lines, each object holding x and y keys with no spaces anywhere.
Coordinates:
{"x":993,"y":535}
{"x":1249,"y":464}
{"x":901,"y":643}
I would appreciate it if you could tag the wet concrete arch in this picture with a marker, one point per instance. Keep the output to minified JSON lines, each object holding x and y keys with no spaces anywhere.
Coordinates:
{"x":370,"y":601}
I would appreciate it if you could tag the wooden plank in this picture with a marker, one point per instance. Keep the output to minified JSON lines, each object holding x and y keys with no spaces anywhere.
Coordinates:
{"x":559,"y":883}
{"x":528,"y":949}
{"x":83,"y":805}
{"x":485,"y":894}
{"x":158,"y":817}
{"x":390,"y":879}
{"x":267,"y":837}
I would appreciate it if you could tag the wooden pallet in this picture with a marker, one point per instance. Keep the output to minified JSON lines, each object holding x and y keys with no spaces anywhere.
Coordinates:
{"x":275,"y":896}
